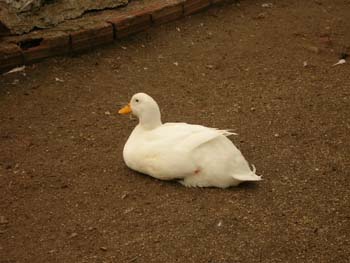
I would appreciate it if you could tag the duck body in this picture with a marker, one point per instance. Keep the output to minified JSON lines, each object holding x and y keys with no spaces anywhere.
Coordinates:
{"x":195,"y":155}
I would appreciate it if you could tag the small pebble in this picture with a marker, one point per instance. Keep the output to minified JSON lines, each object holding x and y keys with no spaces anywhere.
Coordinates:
{"x":261,"y":15}
{"x":73,"y":235}
{"x":103,"y":248}
{"x":127,"y":211}
{"x":267,"y":5}
{"x":340,"y":62}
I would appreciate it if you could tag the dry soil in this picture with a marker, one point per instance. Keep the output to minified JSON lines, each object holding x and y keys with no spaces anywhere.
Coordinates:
{"x":265,"y":72}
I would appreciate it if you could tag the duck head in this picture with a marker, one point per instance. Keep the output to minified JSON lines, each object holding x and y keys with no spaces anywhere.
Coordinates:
{"x":145,"y":108}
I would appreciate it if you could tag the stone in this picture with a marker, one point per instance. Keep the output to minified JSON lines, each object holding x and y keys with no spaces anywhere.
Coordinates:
{"x":45,"y":14}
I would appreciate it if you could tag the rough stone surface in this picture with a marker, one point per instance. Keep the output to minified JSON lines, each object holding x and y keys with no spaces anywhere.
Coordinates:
{"x":22,"y":18}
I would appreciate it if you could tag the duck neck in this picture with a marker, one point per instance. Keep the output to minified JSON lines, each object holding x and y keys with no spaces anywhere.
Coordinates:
{"x":150,"y":120}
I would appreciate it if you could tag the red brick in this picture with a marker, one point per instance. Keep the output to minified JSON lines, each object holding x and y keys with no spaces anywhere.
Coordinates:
{"x":51,"y":45}
{"x":10,"y":56}
{"x":167,"y":11}
{"x":130,"y":23}
{"x":92,"y":36}
{"x":193,"y":6}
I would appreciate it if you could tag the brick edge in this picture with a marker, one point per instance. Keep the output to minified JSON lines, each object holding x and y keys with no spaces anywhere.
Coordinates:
{"x":28,"y":49}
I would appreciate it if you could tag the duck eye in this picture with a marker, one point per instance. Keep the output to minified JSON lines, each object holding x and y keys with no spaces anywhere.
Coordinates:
{"x":137,"y":100}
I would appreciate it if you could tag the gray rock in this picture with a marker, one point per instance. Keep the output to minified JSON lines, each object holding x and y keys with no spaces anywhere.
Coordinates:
{"x":22,"y":16}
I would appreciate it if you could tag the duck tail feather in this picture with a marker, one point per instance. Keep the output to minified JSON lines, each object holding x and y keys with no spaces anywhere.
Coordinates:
{"x":252,"y":176}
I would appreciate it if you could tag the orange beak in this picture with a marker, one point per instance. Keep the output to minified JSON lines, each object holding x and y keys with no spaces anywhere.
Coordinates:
{"x":125,"y":110}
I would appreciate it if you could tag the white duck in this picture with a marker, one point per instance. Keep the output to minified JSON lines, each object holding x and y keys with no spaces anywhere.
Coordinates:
{"x":195,"y":155}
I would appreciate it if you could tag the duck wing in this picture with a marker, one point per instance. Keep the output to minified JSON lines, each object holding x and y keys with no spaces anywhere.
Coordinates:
{"x":188,"y":136}
{"x":169,"y":150}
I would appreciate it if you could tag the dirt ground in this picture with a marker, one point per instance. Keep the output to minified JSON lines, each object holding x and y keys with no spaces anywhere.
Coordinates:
{"x":66,"y":195}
